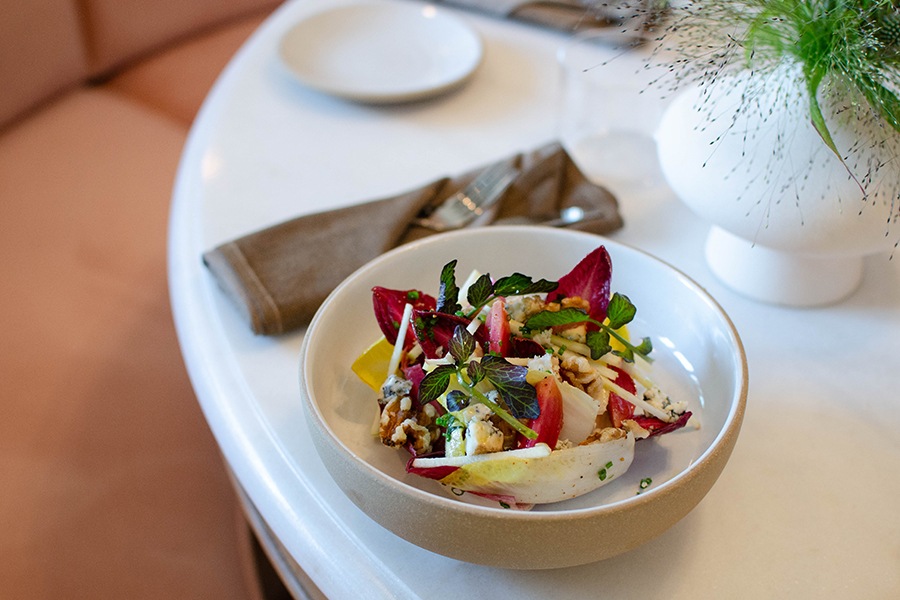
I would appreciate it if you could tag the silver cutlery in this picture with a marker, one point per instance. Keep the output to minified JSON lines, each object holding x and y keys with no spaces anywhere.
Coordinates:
{"x":472,"y":202}
{"x":571,"y":215}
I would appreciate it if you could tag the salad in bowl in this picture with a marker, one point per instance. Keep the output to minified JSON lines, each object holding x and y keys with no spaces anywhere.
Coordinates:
{"x":516,"y":390}
{"x":473,"y":392}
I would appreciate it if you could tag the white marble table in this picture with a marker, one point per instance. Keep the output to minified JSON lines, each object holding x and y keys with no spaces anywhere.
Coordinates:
{"x":808,"y":505}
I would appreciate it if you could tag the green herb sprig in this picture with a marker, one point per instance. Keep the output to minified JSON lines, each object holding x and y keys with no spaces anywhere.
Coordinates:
{"x":850,"y":39}
{"x":483,"y":290}
{"x":508,"y":379}
{"x":620,"y":312}
{"x":854,"y":44}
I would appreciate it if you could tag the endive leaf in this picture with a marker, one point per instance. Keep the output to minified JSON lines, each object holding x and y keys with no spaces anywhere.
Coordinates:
{"x":541,"y":477}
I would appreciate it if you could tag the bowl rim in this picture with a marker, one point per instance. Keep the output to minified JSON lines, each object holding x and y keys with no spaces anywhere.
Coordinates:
{"x":730,"y":427}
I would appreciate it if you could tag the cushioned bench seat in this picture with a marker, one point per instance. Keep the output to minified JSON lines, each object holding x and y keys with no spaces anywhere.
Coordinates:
{"x":112,"y":485}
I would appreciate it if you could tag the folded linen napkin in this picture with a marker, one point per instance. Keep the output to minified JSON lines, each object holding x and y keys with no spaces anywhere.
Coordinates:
{"x":629,"y":17}
{"x":280,"y":275}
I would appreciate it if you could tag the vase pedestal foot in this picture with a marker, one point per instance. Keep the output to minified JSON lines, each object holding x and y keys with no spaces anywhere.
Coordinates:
{"x":780,"y":277}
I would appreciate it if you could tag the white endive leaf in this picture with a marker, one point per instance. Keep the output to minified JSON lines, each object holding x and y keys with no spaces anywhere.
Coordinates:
{"x":542,"y":479}
{"x":579,"y":413}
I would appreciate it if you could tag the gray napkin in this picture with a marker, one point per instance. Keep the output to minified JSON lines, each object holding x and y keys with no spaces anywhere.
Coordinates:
{"x":278,"y":277}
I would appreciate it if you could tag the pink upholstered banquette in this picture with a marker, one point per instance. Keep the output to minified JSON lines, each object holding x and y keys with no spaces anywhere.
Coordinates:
{"x":111,"y":485}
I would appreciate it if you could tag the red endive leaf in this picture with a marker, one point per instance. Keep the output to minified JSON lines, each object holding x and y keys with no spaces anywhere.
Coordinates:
{"x":429,"y":472}
{"x":433,"y":331}
{"x":619,"y":408}
{"x":589,"y":279}
{"x":658,"y":427}
{"x":389,"y":304}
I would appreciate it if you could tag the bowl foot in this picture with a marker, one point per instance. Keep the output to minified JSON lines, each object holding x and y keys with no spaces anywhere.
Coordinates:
{"x":778,"y":277}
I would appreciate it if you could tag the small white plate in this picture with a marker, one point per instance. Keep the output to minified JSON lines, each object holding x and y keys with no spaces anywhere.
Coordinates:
{"x":381,"y":52}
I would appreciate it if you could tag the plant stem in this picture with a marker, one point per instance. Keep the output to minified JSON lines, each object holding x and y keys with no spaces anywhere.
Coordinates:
{"x":496,"y":408}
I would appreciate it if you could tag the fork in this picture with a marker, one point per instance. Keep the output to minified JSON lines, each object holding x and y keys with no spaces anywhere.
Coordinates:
{"x":471,"y":202}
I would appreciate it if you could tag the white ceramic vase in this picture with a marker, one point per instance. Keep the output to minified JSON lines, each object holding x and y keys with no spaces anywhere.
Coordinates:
{"x":789,"y":224}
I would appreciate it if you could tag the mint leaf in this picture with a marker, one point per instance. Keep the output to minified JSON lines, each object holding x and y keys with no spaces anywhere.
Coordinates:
{"x":456,"y":400}
{"x":645,"y":347}
{"x":475,"y":372}
{"x":519,"y":285}
{"x":546,"y":318}
{"x":509,"y":380}
{"x":483,"y":291}
{"x":448,"y":298}
{"x":435,"y":383}
{"x":620,"y":311}
{"x":598,"y":342}
{"x":480,"y":291}
{"x":462,"y":344}
{"x":628,"y":353}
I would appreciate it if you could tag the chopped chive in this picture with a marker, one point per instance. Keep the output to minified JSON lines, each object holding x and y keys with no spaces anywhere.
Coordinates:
{"x":644,"y":484}
{"x":602,"y":473}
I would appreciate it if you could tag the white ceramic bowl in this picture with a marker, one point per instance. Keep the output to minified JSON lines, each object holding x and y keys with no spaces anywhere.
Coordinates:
{"x":789,"y":225}
{"x":698,"y":356}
